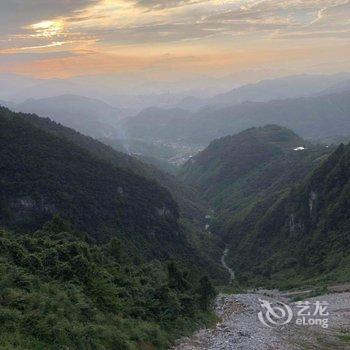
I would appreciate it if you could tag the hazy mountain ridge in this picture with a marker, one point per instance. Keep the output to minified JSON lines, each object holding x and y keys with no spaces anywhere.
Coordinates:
{"x":287,"y":87}
{"x":336,"y":88}
{"x":129,"y":89}
{"x":311,"y":117}
{"x":89,"y":116}
{"x":304,"y":85}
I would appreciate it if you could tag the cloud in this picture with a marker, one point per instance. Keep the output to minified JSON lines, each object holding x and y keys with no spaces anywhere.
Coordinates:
{"x":15,"y":15}
{"x":6,"y":58}
{"x":332,"y":22}
{"x":163,"y":4}
{"x":334,"y":14}
{"x":176,"y":32}
{"x":161,"y":26}
{"x":340,"y":35}
{"x":123,"y":22}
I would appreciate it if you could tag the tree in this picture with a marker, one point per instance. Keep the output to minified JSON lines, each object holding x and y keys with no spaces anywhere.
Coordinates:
{"x":206,"y":293}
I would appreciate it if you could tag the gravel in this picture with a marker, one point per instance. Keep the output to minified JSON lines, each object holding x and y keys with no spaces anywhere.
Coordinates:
{"x":240,"y":328}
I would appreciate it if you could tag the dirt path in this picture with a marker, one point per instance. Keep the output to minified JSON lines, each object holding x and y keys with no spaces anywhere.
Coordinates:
{"x":239,"y":327}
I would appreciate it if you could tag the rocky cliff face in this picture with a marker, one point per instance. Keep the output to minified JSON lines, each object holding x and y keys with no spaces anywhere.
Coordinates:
{"x":42,"y":175}
{"x":304,"y":234}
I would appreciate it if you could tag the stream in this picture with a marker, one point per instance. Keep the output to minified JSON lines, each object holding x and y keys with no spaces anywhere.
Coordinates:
{"x":226,"y":267}
{"x":239,"y":326}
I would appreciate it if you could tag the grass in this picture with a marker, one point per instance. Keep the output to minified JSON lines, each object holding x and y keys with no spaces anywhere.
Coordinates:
{"x":344,"y":337}
{"x":233,"y":288}
{"x":314,"y":293}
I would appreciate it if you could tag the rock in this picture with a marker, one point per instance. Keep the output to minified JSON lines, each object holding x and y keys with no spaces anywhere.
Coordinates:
{"x":240,"y":327}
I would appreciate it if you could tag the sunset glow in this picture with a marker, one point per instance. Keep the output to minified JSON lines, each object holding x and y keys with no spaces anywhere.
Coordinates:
{"x":204,"y":35}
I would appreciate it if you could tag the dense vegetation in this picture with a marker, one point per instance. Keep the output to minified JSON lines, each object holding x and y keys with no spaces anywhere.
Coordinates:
{"x":303,"y":236}
{"x":188,"y":200}
{"x":42,"y":175}
{"x":283,"y":230}
{"x":58,"y":170}
{"x":125,"y":273}
{"x":236,"y":173}
{"x":58,"y":290}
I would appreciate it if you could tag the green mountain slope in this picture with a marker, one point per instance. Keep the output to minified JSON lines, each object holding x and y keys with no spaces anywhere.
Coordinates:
{"x":191,"y":206}
{"x":305,"y":235}
{"x":99,"y":190}
{"x":126,"y":273}
{"x":58,"y":290}
{"x":248,"y":178}
{"x":42,"y":175}
{"x":238,"y":172}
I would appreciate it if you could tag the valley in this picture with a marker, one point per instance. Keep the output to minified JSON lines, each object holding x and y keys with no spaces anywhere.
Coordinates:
{"x":163,"y":230}
{"x":174,"y":175}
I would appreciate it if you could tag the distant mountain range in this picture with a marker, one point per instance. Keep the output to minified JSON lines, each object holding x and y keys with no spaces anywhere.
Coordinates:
{"x":90,"y":116}
{"x":314,"y":106}
{"x":311,"y":117}
{"x":129,"y":88}
{"x":337,"y":88}
{"x":304,"y":85}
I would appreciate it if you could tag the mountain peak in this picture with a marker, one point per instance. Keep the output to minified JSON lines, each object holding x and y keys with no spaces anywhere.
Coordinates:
{"x":237,"y":157}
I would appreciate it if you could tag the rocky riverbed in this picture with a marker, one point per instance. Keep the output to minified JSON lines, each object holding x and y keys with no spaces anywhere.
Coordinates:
{"x":239,"y":326}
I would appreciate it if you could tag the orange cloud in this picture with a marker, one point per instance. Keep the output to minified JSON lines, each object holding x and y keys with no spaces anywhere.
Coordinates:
{"x":200,"y":61}
{"x":189,"y":35}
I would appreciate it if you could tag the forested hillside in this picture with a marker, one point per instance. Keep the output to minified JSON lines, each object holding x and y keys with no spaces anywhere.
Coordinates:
{"x":237,"y":173}
{"x":192,"y":208}
{"x":189,"y":202}
{"x":44,"y":173}
{"x":305,"y":234}
{"x":58,"y":290}
{"x":282,"y":206}
{"x":92,"y":254}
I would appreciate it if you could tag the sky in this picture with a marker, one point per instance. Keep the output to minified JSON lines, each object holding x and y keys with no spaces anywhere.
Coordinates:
{"x":67,"y":38}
